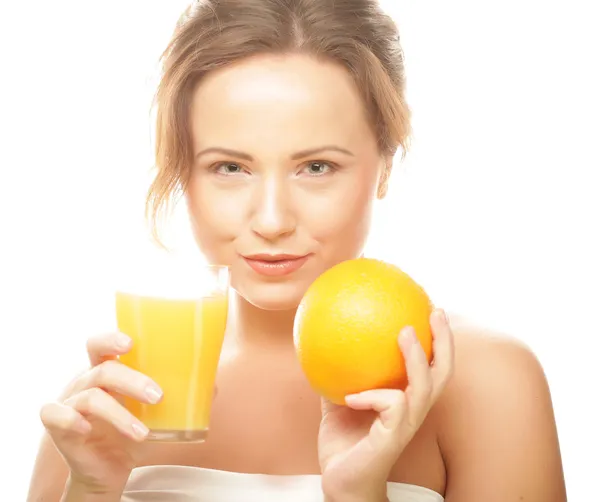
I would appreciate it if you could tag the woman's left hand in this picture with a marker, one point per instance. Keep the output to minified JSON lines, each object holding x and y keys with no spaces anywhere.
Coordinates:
{"x":359,"y":444}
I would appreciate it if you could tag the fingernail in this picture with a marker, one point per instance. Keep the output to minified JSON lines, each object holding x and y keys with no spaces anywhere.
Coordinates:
{"x":153,"y":393}
{"x":353,"y":399}
{"x":407,"y":339}
{"x":139,"y":430}
{"x":441,"y":315}
{"x":123,"y":341}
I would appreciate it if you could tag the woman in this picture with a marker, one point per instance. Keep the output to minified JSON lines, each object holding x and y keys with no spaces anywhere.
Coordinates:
{"x":279,"y":120}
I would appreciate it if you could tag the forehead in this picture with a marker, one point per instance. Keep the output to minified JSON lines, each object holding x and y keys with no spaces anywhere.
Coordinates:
{"x":293,"y":99}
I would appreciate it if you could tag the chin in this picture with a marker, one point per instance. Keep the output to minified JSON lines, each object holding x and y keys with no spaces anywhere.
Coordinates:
{"x":281,"y":296}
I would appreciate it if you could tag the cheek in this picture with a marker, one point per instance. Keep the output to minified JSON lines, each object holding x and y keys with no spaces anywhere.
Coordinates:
{"x":216,"y":221}
{"x":341,"y":221}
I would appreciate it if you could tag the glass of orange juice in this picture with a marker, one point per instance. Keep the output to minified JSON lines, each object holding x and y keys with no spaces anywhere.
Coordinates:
{"x":177,"y":324}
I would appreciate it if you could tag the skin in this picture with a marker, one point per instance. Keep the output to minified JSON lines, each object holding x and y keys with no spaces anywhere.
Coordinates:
{"x":489,"y":433}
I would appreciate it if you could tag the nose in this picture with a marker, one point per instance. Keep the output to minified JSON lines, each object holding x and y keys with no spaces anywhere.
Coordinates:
{"x":273,"y":216}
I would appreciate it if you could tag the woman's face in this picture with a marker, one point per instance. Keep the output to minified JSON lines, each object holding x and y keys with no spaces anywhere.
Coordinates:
{"x":285,"y":173}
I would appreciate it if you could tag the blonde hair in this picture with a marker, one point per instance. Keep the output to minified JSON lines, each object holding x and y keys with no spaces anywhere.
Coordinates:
{"x":212,"y":34}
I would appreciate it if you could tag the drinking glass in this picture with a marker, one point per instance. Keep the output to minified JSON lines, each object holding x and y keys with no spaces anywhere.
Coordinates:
{"x":177,"y":322}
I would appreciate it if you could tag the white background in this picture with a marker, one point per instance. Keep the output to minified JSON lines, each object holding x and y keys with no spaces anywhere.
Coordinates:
{"x":496,"y":210}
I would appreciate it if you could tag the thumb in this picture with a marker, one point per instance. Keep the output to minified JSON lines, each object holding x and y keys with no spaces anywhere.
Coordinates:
{"x":328,"y":406}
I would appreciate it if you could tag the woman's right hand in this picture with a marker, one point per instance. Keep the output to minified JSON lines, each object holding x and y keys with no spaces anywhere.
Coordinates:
{"x":98,"y":438}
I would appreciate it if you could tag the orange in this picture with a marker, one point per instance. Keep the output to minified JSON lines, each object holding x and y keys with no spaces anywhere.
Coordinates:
{"x":347,"y":326}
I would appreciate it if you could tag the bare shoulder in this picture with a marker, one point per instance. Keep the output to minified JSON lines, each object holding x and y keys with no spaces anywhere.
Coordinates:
{"x":496,"y":427}
{"x":492,"y":364}
{"x":499,"y":360}
{"x":496,"y":380}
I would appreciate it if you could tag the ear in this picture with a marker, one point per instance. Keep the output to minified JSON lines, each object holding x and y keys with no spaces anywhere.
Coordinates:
{"x":384,"y":177}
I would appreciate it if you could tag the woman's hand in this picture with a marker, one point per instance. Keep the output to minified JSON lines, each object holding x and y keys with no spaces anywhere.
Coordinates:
{"x":96,"y":435}
{"x":360,"y":443}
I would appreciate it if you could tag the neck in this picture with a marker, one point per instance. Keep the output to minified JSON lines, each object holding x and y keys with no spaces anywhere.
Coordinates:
{"x":257,"y":327}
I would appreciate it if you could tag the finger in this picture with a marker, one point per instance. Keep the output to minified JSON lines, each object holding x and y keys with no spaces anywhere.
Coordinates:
{"x":443,"y":350}
{"x":420,"y":381}
{"x":59,"y":419}
{"x":115,"y":377}
{"x":385,"y":434}
{"x":99,"y":404}
{"x":107,"y":346}
{"x":389,"y":403}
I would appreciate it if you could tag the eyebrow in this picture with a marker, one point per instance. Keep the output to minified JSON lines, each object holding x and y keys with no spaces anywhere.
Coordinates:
{"x":298,"y":155}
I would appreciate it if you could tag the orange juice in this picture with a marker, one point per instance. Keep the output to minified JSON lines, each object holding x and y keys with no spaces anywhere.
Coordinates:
{"x":177,"y":343}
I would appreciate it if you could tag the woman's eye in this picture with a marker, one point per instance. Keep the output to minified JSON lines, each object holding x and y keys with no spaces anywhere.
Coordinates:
{"x":318,"y":168}
{"x":228,"y":168}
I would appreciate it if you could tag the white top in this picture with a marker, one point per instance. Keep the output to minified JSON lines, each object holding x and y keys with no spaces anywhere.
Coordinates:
{"x":173,"y":483}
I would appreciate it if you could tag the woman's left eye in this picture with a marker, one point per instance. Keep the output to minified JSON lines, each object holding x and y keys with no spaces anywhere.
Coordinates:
{"x":318,"y":168}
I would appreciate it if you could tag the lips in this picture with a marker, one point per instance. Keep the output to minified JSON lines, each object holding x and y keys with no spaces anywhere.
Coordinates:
{"x":275,"y":264}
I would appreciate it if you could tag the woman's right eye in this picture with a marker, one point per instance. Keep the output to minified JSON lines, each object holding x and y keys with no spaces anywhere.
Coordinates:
{"x":228,"y":168}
